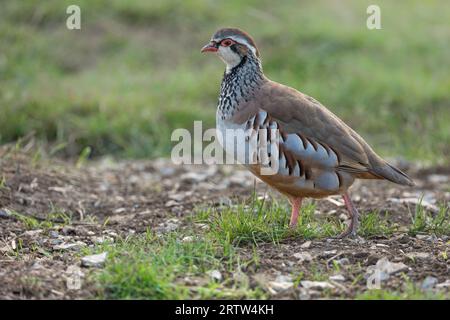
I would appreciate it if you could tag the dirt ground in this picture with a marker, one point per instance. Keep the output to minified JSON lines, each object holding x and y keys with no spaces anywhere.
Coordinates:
{"x":135,"y":195}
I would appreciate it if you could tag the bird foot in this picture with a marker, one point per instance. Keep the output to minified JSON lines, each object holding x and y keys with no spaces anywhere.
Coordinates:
{"x":349,"y":233}
{"x":351,"y":230}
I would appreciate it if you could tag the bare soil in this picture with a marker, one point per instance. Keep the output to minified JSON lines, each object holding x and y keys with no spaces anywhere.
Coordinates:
{"x":111,"y":199}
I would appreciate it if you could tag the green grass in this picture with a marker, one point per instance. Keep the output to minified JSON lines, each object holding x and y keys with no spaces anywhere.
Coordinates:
{"x":257,"y":221}
{"x":153,"y":267}
{"x":409,"y":292}
{"x":423,"y":221}
{"x":56,"y":216}
{"x":30,"y":223}
{"x":150,"y":266}
{"x":373,"y":224}
{"x":134,"y":72}
{"x":2,"y":182}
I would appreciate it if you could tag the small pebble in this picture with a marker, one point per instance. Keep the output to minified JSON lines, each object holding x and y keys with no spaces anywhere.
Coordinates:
{"x":429,"y":283}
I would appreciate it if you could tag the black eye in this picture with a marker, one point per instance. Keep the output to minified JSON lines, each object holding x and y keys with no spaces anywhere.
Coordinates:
{"x":226,"y":43}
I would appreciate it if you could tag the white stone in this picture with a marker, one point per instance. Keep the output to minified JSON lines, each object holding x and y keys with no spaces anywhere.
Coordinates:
{"x":445,"y":284}
{"x":428,"y":283}
{"x":281,"y":283}
{"x":187,"y":239}
{"x":418,"y":255}
{"x":316,"y":285}
{"x":337,"y":277}
{"x":171,"y":203}
{"x":306,"y":245}
{"x":214,"y":274}
{"x":70,"y":246}
{"x":303,"y":256}
{"x":95,"y":260}
{"x":385,"y":268}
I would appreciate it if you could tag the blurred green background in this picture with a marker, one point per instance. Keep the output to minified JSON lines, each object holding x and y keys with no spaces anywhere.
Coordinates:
{"x":134,"y":72}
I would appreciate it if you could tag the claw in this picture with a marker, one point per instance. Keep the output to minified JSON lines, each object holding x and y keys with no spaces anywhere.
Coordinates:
{"x":348,"y":233}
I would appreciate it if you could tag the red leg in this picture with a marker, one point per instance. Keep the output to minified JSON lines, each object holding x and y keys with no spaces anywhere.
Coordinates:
{"x":296,"y":205}
{"x":354,"y":216}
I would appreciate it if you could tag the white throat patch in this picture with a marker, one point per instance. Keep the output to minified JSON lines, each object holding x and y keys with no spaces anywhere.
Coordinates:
{"x":231,"y":58}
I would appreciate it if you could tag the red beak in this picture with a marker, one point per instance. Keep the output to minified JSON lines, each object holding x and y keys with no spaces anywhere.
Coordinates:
{"x":210,"y":47}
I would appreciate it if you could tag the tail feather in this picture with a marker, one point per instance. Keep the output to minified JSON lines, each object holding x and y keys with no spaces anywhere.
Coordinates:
{"x":391,"y":173}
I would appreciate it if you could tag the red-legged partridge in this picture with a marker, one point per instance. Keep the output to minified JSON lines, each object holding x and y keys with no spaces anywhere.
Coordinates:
{"x":318,"y":154}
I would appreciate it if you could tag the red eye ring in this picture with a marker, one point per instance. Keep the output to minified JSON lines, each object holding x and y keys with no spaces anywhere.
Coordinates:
{"x":227,"y":43}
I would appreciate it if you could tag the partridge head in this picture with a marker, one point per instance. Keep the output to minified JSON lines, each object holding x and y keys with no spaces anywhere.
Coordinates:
{"x":317,"y":154}
{"x":232,"y":46}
